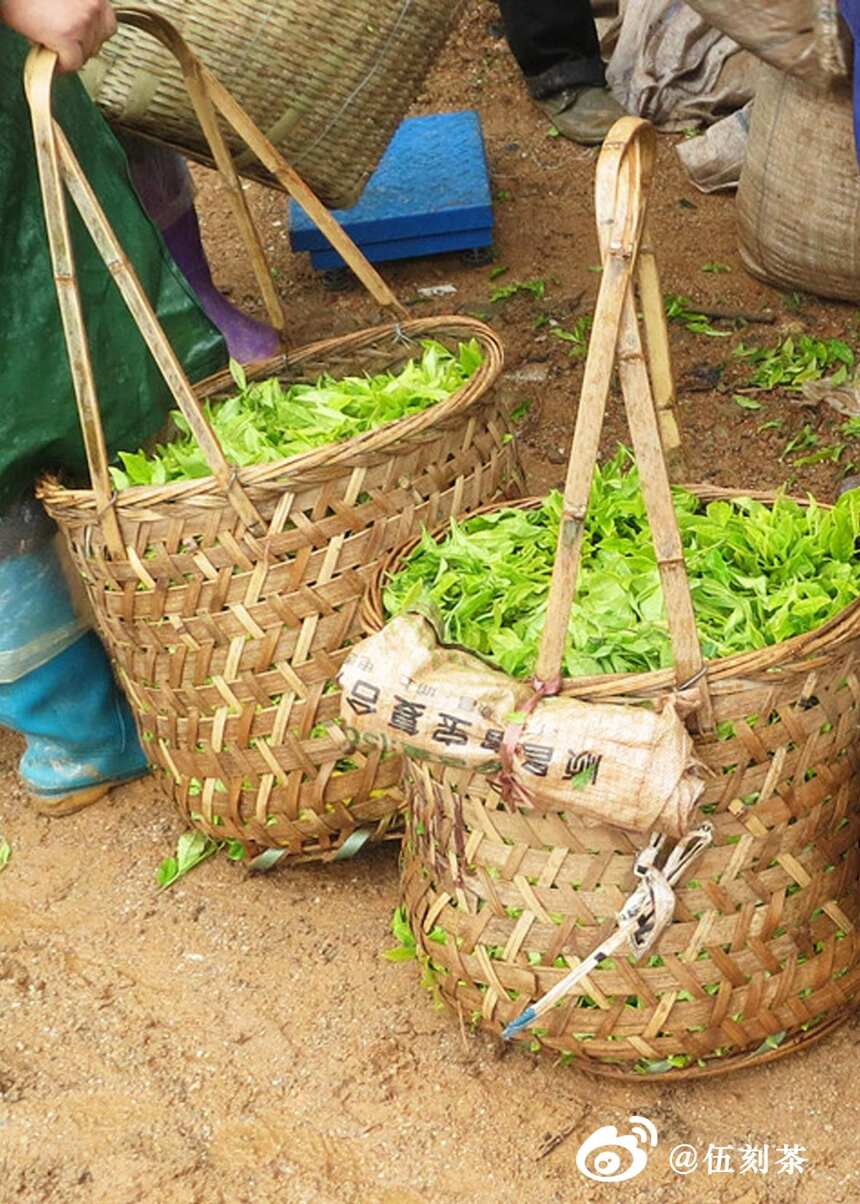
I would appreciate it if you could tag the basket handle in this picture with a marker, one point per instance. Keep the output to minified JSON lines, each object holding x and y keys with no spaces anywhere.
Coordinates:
{"x":207,"y":95}
{"x":57,"y":164}
{"x":624,"y":172}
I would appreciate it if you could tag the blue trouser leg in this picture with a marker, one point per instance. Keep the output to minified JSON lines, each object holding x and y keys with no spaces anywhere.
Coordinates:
{"x":56,"y":684}
{"x":77,"y":723}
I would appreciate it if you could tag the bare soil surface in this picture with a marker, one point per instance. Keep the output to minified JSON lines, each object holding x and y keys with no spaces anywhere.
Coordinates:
{"x":236,"y":1039}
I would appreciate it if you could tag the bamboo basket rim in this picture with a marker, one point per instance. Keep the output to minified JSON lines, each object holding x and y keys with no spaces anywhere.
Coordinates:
{"x":784,"y":655}
{"x":330,"y":455}
{"x":715,"y":1066}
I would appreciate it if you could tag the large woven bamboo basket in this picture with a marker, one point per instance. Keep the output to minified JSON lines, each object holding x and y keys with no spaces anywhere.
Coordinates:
{"x":762,"y":955}
{"x":229,"y":602}
{"x":327,"y":82}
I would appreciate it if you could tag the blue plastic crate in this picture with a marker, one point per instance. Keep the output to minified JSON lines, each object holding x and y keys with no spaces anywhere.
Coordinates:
{"x":430,"y":193}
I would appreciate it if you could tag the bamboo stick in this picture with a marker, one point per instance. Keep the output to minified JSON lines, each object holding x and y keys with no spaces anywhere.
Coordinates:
{"x":269,"y":156}
{"x":623,"y":171}
{"x":147,"y":322}
{"x":659,"y":357}
{"x":274,"y":161}
{"x":626,"y":153}
{"x":38,"y":77}
{"x":203,"y":108}
{"x":657,"y":492}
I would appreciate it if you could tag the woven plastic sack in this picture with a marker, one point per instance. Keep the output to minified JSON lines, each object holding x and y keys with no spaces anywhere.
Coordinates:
{"x":328,"y":83}
{"x":798,"y":205}
{"x":39,"y":427}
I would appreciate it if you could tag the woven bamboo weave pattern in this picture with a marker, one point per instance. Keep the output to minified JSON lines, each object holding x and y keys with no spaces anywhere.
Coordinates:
{"x":227,"y":642}
{"x":764,"y":942}
{"x":326,"y":82}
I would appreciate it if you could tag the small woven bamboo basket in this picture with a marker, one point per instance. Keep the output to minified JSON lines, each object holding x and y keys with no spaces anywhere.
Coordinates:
{"x":762,"y":955}
{"x":328,"y":82}
{"x":228,"y":602}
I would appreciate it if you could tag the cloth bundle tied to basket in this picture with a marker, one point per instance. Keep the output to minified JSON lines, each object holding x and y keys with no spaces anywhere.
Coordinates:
{"x":630,"y":767}
{"x":228,"y":602}
{"x":634,"y":956}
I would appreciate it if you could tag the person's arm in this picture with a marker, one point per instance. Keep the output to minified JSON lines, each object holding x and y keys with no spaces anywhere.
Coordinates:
{"x":75,"y":29}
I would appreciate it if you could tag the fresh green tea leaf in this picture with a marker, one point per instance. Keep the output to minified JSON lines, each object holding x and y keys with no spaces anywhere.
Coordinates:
{"x":682,"y":309}
{"x":191,"y":849}
{"x":796,"y":360}
{"x":537,"y":288}
{"x":577,"y":337}
{"x":238,"y":374}
{"x":519,"y":411}
{"x":802,"y":441}
{"x":267,"y":421}
{"x":758,"y":575}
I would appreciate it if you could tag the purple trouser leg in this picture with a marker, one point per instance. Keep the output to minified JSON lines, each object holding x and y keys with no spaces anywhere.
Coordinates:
{"x":246,"y":338}
{"x":163,"y":183}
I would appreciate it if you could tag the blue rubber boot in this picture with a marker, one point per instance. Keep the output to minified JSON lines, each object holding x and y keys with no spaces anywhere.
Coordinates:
{"x":81,"y":738}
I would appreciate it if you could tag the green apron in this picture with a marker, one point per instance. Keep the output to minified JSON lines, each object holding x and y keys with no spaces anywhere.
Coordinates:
{"x":39,"y":428}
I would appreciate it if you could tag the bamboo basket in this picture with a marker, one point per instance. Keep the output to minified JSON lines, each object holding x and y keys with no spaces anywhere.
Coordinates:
{"x":228,"y":603}
{"x":762,"y":955}
{"x":327,"y":82}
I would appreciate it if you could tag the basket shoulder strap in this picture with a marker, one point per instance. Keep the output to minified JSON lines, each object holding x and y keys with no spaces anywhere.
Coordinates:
{"x":624,"y":171}
{"x":626,"y":156}
{"x":207,"y":94}
{"x":57,"y":164}
{"x":38,"y":79}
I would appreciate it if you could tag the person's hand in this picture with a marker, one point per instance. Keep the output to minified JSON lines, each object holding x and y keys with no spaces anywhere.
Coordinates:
{"x":75,"y":29}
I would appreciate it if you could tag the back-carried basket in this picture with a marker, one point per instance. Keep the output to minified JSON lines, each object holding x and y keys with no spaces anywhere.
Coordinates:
{"x":228,"y":602}
{"x":327,"y":82}
{"x":762,"y":953}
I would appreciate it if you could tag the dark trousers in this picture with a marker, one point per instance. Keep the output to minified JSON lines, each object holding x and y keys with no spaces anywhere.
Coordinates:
{"x":554,"y":42}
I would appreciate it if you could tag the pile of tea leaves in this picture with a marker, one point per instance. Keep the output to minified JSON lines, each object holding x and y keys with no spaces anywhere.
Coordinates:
{"x":264,"y":421}
{"x":759,"y":574}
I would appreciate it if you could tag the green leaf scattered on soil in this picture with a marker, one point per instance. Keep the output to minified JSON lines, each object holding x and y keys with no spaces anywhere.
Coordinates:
{"x":796,"y":360}
{"x":191,"y":849}
{"x":577,"y":337}
{"x":831,"y":453}
{"x":5,"y":852}
{"x":746,"y":403}
{"x":716,"y":269}
{"x":537,"y":288}
{"x":682,"y":309}
{"x":805,"y":439}
{"x":519,"y":411}
{"x":758,"y":575}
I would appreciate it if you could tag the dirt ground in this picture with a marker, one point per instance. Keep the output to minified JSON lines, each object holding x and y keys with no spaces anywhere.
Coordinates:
{"x":234,"y":1040}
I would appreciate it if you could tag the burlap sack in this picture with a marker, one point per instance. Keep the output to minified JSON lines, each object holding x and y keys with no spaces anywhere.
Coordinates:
{"x":798,"y":205}
{"x":626,"y":766}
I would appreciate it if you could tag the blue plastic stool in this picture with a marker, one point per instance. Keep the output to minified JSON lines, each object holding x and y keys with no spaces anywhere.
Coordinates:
{"x":430,"y":193}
